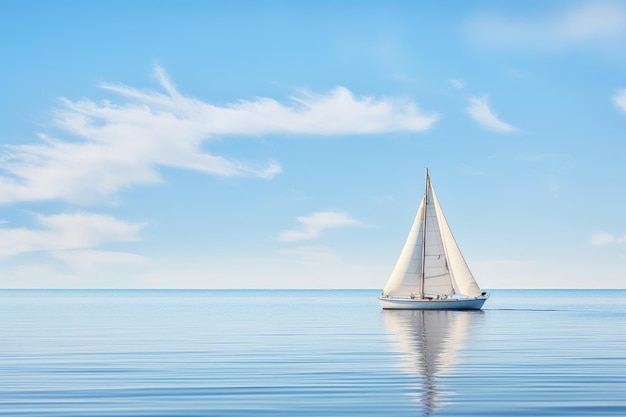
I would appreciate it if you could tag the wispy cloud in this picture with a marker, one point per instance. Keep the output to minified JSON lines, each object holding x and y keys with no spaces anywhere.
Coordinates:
{"x":480,"y":111}
{"x":113,"y":145}
{"x":472,"y":170}
{"x":619,"y":99}
{"x":604,"y":238}
{"x":456,"y":83}
{"x":561,"y":161}
{"x":576,"y":24}
{"x":313,"y":225}
{"x":91,"y":258}
{"x":60,"y":232}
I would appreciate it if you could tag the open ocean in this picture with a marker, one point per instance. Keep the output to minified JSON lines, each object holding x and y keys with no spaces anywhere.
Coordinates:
{"x":309,"y":353}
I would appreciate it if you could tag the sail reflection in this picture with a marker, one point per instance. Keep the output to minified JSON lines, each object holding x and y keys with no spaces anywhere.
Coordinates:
{"x":430,"y":341}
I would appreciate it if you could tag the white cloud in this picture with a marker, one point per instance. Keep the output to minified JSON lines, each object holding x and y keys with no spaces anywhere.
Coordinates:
{"x":314,"y":224}
{"x":479,"y":111}
{"x":619,"y":99}
{"x":560,"y":161}
{"x":91,"y":259}
{"x":472,"y":170}
{"x":60,"y":232}
{"x":603,"y":238}
{"x":578,"y":24}
{"x":456,"y":83}
{"x":114,"y":145}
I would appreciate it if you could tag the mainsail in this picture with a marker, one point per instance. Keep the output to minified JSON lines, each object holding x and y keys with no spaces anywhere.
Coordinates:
{"x":431,"y":263}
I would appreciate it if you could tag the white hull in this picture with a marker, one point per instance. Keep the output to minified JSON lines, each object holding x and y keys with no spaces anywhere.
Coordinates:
{"x":473,"y":303}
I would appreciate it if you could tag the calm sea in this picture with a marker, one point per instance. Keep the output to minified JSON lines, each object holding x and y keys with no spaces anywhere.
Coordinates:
{"x":309,"y":353}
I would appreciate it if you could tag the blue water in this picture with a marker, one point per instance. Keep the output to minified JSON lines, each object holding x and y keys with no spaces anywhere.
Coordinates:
{"x":309,"y":353}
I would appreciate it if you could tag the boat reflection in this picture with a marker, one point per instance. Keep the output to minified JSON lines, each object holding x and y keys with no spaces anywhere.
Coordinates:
{"x":430,"y":342}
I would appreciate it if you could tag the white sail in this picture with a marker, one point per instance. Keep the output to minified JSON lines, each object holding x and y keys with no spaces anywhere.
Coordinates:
{"x":462,"y":278}
{"x":437,"y":278}
{"x":430,"y":264}
{"x":405,"y":279}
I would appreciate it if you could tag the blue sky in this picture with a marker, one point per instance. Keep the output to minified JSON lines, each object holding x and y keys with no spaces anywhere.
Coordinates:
{"x":189,"y":144}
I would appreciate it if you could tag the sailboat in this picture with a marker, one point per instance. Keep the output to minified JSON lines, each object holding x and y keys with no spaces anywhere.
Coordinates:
{"x":431,"y":273}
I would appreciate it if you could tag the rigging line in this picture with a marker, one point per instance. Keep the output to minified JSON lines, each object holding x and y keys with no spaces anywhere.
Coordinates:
{"x":423,"y":277}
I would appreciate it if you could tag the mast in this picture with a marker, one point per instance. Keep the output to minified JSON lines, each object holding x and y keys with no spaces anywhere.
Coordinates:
{"x":422,"y":275}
